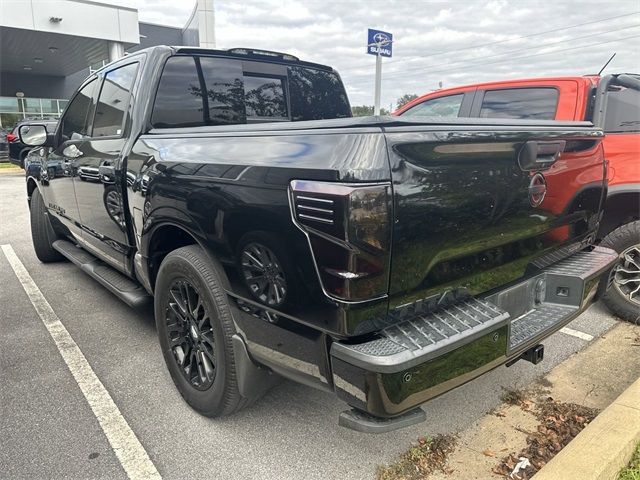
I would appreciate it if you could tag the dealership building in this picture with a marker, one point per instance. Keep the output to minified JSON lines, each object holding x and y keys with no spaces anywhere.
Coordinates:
{"x":47,"y":47}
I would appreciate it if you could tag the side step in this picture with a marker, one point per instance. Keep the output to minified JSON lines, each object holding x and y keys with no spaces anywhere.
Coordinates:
{"x":127,"y":290}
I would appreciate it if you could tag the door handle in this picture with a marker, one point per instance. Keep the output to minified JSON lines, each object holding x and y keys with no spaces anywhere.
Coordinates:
{"x":71,"y":151}
{"x":539,"y":155}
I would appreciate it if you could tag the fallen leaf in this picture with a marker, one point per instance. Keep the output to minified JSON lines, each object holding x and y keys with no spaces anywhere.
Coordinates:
{"x":488,"y":453}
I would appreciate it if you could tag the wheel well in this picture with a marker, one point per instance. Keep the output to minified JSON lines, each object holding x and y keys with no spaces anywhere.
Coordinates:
{"x":164,"y":240}
{"x":618,"y":210}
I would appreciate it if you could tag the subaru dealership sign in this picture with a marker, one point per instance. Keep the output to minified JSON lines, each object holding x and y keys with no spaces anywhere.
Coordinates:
{"x":379,"y":42}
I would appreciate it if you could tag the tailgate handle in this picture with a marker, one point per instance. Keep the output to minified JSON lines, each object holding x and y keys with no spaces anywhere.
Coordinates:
{"x":538,"y":155}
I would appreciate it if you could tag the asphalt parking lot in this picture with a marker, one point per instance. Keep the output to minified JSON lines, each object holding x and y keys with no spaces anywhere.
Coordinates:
{"x":47,"y":428}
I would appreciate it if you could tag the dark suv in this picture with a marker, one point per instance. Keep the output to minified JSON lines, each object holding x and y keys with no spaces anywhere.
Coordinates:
{"x":17,"y":150}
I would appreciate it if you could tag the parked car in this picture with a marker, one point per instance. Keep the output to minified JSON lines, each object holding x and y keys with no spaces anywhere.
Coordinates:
{"x":573,"y":98}
{"x":18,"y":151}
{"x":386,"y":260}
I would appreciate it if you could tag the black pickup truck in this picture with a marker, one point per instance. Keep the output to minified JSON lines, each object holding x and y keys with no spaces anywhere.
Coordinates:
{"x":385,"y":259}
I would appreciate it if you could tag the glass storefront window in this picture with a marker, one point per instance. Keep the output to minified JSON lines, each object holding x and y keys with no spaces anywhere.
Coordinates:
{"x":14,"y":109}
{"x":9,"y":104}
{"x":32,"y":105}
{"x":49,"y":106}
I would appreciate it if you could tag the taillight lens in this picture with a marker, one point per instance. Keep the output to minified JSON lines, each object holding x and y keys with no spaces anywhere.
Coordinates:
{"x":11,"y":137}
{"x":349,"y":231}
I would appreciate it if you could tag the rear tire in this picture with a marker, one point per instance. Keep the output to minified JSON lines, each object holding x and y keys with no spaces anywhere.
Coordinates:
{"x":620,"y":298}
{"x":42,"y":232}
{"x":211,"y":389}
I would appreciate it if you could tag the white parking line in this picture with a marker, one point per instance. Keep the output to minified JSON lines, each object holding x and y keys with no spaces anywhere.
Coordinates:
{"x":576,"y":333}
{"x":132,"y":456}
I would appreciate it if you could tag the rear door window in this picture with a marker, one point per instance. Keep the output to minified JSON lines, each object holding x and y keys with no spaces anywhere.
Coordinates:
{"x":532,"y":103}
{"x":623,"y":110}
{"x":448,"y":106}
{"x":113,"y":102}
{"x":179,"y":97}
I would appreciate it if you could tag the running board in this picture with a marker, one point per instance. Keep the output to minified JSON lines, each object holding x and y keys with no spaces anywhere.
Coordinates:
{"x":126,"y":289}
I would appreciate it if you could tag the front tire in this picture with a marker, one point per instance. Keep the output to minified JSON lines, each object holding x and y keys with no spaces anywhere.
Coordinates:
{"x":42,"y":232}
{"x":195,"y":327}
{"x":623,"y":297}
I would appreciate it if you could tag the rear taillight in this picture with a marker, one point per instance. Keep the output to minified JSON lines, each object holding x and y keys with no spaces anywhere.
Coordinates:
{"x":349,"y":232}
{"x":11,"y":137}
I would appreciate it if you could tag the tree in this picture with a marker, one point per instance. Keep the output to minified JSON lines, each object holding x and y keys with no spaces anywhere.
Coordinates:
{"x":366,"y":110}
{"x":406,"y":98}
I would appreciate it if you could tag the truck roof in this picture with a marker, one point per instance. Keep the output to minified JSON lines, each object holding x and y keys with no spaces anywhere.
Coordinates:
{"x":243,"y":53}
{"x":586,"y":80}
{"x":590,"y":80}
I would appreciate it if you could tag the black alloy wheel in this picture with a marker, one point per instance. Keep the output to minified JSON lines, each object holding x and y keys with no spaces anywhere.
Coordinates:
{"x":190,"y":334}
{"x":264,"y":274}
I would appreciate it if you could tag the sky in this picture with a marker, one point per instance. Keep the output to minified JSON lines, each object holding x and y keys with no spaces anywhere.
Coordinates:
{"x":454,"y":42}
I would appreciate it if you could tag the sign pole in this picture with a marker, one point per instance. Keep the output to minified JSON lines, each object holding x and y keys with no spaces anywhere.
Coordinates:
{"x":376,"y":107}
{"x":380,"y":44}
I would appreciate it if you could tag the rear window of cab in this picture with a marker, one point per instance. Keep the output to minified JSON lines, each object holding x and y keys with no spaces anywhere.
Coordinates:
{"x":201,"y":90}
{"x":532,"y":103}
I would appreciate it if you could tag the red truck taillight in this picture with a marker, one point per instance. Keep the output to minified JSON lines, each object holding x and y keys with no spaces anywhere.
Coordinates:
{"x":349,"y":232}
{"x":11,"y":137}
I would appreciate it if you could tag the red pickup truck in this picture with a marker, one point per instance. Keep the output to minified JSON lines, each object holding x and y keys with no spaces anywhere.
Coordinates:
{"x":573,"y":98}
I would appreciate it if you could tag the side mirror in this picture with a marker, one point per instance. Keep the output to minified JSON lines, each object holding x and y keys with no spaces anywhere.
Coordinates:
{"x":33,"y":135}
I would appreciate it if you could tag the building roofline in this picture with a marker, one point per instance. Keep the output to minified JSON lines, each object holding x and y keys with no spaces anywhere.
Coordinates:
{"x":193,"y":14}
{"x":104,"y":4}
{"x":153,"y":24}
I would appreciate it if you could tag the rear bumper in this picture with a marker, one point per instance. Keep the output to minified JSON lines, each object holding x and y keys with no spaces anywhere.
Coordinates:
{"x":435,"y":351}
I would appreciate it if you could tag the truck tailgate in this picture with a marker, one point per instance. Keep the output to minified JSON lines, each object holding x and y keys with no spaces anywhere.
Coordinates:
{"x":478,"y":208}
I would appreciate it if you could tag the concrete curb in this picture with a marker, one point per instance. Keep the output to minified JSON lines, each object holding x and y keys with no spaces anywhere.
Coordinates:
{"x":604,"y":447}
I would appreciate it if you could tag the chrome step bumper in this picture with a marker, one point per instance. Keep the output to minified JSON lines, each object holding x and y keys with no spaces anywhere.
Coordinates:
{"x":424,"y":356}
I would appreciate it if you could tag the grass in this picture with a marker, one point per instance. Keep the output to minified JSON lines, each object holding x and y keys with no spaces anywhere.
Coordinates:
{"x":512,"y":397}
{"x":422,"y":459}
{"x":632,"y":472}
{"x":4,"y":165}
